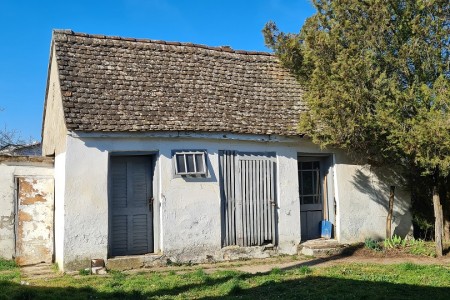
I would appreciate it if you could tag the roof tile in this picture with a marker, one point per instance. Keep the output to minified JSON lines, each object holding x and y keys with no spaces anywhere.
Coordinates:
{"x":127,"y":84}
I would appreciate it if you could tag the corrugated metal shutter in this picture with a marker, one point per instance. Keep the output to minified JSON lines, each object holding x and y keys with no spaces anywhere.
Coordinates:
{"x":131,"y":230}
{"x":248,"y":189}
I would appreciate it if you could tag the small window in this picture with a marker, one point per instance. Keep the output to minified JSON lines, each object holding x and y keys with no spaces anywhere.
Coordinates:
{"x":190,"y":163}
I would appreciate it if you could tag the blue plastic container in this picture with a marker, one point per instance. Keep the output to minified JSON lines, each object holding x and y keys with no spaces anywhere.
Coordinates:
{"x":326,"y":228}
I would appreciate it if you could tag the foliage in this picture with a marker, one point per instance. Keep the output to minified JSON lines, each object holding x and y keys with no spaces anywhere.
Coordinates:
{"x":424,"y":226}
{"x":420,"y":247}
{"x":84,"y":272}
{"x":376,"y":76}
{"x":7,"y":264}
{"x":9,"y":271}
{"x":394,"y":242}
{"x":406,"y":245}
{"x":371,"y":244}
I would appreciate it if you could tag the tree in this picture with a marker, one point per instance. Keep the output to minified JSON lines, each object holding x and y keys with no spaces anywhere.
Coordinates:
{"x":376,"y":79}
{"x":9,"y":137}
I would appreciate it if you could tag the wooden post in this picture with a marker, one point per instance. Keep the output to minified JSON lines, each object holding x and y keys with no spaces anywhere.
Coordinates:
{"x":438,"y":224}
{"x":325,"y":198}
{"x":390,"y":213}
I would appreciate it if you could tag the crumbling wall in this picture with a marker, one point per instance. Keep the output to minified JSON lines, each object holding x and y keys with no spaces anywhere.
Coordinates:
{"x":12,"y":168}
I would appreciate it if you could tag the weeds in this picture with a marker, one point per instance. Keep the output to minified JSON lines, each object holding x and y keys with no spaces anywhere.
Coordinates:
{"x":394,"y":242}
{"x":371,"y":244}
{"x":7,"y":265}
{"x":84,"y":272}
{"x":304,"y":270}
{"x":411,"y":246}
{"x":420,"y":247}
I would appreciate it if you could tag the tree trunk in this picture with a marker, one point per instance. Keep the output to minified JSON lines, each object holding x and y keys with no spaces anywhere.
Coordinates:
{"x":446,"y":208}
{"x":438,"y":224}
{"x":390,"y":213}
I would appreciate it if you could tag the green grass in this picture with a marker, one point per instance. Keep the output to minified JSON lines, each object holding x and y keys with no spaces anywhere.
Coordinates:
{"x":7,"y":265}
{"x":342,"y":281}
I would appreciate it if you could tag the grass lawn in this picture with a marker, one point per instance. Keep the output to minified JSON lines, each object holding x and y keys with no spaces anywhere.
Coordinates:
{"x":349,"y":281}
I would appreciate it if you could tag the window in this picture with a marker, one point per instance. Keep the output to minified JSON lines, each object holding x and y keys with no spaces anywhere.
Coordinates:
{"x":309,"y":177}
{"x":190,"y":163}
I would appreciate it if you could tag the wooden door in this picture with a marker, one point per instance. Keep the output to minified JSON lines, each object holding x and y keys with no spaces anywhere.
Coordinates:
{"x":131,"y":205}
{"x":34,"y":220}
{"x":248,"y":189}
{"x":311,"y":199}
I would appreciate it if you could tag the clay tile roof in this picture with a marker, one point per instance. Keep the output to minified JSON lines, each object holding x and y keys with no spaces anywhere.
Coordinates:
{"x":123,"y":84}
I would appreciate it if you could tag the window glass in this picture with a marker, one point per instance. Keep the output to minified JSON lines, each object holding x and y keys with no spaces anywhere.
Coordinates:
{"x":180,"y":163}
{"x":190,"y":163}
{"x":199,"y":163}
{"x":308,"y":182}
{"x":306,"y":165}
{"x":307,"y":200}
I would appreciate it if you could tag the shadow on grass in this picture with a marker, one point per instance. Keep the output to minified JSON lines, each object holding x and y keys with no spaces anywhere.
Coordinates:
{"x":348,"y":251}
{"x":235,"y":285}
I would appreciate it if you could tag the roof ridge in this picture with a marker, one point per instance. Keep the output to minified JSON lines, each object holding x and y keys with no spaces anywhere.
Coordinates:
{"x":185,"y":44}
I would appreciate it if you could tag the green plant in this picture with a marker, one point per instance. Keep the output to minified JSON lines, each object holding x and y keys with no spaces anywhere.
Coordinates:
{"x":55,"y":267}
{"x":7,"y":264}
{"x":424,"y":225}
{"x":304,"y":270}
{"x":276,"y":271}
{"x":84,"y":272}
{"x":394,"y":242}
{"x":372,"y":244}
{"x":420,"y":247}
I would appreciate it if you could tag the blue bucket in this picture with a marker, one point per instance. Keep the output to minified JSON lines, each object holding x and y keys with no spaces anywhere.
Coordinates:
{"x":326,"y":228}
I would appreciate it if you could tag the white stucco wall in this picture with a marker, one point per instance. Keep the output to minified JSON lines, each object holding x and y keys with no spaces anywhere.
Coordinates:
{"x":60,"y":179}
{"x":189,"y":208}
{"x":363,"y":201}
{"x":54,"y":128}
{"x":9,"y":169}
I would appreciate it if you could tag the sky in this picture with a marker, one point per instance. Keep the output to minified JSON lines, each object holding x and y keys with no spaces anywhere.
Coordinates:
{"x":26,"y":29}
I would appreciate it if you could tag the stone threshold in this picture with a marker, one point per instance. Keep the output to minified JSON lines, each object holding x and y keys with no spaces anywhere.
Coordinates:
{"x":122,"y":263}
{"x":321,"y":247}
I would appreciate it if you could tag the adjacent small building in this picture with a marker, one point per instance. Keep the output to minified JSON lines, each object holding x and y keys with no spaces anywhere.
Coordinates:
{"x":189,"y":153}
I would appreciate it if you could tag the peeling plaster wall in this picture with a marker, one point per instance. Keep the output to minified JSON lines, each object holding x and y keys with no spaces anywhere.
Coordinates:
{"x":8,"y":171}
{"x":34,"y":232}
{"x":54,"y":130}
{"x":187,"y":210}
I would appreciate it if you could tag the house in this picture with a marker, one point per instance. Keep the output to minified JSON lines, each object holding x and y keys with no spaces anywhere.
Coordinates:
{"x":184,"y":152}
{"x":32,"y":149}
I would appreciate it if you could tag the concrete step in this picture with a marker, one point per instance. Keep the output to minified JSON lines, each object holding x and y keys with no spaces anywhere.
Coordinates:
{"x":321,"y":248}
{"x":43,"y":270}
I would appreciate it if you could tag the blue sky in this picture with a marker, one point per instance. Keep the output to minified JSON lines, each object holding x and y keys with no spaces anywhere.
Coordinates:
{"x":26,"y":28}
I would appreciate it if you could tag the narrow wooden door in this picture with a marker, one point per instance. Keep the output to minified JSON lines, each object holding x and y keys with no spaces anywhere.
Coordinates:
{"x":34,"y":220}
{"x":248,"y":190}
{"x":131,"y":205}
{"x":311,"y":199}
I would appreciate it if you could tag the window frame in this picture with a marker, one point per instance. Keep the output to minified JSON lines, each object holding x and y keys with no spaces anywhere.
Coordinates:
{"x":187,"y":172}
